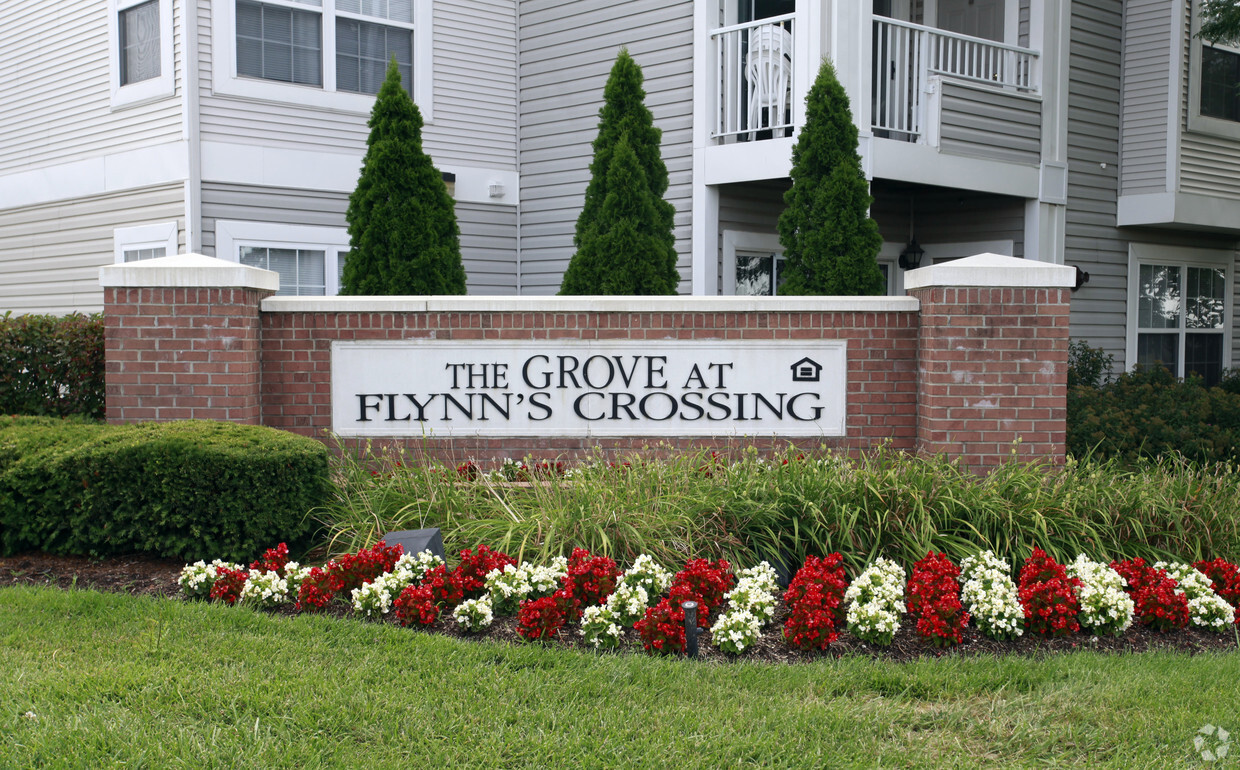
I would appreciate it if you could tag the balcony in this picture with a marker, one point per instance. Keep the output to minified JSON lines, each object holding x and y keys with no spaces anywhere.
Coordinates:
{"x":755,"y":81}
{"x":906,"y":59}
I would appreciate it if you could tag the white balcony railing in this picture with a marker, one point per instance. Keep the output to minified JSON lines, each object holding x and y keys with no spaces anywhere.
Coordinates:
{"x":905,"y":55}
{"x":754,"y":76}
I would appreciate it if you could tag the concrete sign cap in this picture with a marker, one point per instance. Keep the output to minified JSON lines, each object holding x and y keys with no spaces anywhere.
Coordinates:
{"x":992,"y":270}
{"x":188,"y":271}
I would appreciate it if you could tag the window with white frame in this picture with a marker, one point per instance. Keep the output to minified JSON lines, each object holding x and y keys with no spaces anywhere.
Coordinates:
{"x":1180,"y":309}
{"x":308,"y":259}
{"x":328,"y":53}
{"x":752,"y":265}
{"x":140,"y":37}
{"x":1214,"y":85}
{"x":133,"y":244}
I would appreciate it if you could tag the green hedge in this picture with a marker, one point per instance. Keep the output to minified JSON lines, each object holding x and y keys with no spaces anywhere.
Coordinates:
{"x":1149,"y":414}
{"x":184,"y":490}
{"x":51,"y":365}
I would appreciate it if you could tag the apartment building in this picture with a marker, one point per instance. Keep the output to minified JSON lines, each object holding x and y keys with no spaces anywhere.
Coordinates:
{"x":1094,"y":133}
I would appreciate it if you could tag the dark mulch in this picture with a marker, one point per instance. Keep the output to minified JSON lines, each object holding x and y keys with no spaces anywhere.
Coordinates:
{"x":155,"y":577}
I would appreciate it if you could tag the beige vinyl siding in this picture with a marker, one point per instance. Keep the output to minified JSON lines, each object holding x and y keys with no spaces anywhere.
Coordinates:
{"x":475,"y":119}
{"x":986,"y":123}
{"x":1146,"y":105}
{"x":55,"y":101}
{"x":567,"y":50}
{"x":488,"y":233}
{"x":50,"y":254}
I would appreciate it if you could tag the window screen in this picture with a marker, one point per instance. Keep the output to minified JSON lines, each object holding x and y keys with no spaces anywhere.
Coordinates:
{"x":138,"y":29}
{"x":300,"y":270}
{"x":363,"y":50}
{"x":276,"y":43}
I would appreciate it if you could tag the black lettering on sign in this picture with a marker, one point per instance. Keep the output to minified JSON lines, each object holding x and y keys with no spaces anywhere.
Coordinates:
{"x":544,"y":382}
{"x":695,"y":375}
{"x":364,"y":405}
{"x":539,"y":401}
{"x":579,"y":404}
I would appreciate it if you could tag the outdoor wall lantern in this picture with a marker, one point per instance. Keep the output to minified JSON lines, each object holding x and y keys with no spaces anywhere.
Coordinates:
{"x":910,"y":258}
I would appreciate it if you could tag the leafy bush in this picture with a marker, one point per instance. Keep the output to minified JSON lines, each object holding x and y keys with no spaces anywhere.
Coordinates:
{"x":181,"y":490}
{"x":1151,"y":413}
{"x":1090,"y":367}
{"x":51,"y":365}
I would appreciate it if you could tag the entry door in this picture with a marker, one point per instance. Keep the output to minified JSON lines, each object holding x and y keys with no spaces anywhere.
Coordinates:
{"x":977,"y":18}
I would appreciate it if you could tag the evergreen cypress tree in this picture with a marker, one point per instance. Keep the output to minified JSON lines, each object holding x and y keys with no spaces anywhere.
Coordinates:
{"x":402,"y":225}
{"x":624,"y":257}
{"x":830,"y":243}
{"x":624,"y":117}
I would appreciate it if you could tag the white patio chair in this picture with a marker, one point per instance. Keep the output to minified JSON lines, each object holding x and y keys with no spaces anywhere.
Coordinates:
{"x":768,"y":70}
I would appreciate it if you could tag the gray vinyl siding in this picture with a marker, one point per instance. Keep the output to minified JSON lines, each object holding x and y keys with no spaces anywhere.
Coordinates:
{"x":985,"y":123}
{"x":1092,"y":241}
{"x":488,"y":233}
{"x":1209,"y":165}
{"x":1147,"y":46}
{"x":50,"y":254}
{"x":1022,"y":26}
{"x":475,"y":115}
{"x":55,"y":103}
{"x":567,"y":49}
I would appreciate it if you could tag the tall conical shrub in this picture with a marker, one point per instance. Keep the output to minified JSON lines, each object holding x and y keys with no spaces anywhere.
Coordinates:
{"x":594,"y":268}
{"x":403,"y":235}
{"x":830,"y":243}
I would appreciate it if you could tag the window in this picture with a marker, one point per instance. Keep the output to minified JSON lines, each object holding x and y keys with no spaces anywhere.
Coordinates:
{"x":759,"y":274}
{"x":1181,"y":302}
{"x":277,"y":43}
{"x":132,"y":244}
{"x":1214,"y":85}
{"x":139,"y":42}
{"x":1220,"y":82}
{"x":325,"y":53}
{"x":140,"y":35}
{"x":309,"y":260}
{"x":301,"y":270}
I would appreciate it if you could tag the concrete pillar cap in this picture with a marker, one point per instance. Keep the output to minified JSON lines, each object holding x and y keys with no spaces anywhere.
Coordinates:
{"x":188,"y":271}
{"x":992,"y":270}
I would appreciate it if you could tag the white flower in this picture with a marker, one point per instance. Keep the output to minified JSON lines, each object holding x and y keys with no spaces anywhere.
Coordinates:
{"x":377,"y":597}
{"x":736,"y":631}
{"x":264,"y":589}
{"x":990,"y":597}
{"x":875,"y":602}
{"x":752,"y":595}
{"x":197,"y":579}
{"x":1206,"y":609}
{"x":1105,"y":606}
{"x":601,"y":627}
{"x":474,"y":614}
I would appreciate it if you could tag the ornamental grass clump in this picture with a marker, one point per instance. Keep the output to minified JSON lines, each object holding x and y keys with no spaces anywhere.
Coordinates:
{"x":1048,"y":596}
{"x":1206,"y":609}
{"x":934,"y":600}
{"x":990,"y":596}
{"x":815,"y":598}
{"x":1106,"y":607}
{"x":1157,"y":600}
{"x":474,"y":615}
{"x":875,"y":602}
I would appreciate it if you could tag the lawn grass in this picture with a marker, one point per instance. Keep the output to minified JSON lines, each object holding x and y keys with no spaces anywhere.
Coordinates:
{"x":118,"y":680}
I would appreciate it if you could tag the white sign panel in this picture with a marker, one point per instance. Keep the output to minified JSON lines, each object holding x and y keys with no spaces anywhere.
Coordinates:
{"x":658,"y":388}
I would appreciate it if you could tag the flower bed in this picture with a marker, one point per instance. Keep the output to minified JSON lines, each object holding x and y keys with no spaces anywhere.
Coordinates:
{"x":586,"y":600}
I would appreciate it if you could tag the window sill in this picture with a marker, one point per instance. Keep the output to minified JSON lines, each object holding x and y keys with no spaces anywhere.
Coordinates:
{"x":1202,"y":124}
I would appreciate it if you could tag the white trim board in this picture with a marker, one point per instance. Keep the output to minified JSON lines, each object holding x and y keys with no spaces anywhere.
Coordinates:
{"x":148,"y":167}
{"x":252,"y":164}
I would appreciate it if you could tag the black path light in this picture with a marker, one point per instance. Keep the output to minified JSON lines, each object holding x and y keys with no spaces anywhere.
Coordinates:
{"x":691,"y":628}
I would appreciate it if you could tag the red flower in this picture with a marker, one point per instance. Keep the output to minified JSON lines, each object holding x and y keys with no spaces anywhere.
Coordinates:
{"x":228,"y":584}
{"x":934,"y":600}
{"x":815,"y":599}
{"x":540,"y":618}
{"x":662,"y":630}
{"x":416,"y":604}
{"x":1048,"y":596}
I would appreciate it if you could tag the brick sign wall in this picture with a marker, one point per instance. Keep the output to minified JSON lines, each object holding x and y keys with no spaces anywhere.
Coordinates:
{"x":973,"y":360}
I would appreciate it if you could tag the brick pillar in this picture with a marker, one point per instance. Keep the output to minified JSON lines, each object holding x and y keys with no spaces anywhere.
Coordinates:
{"x":181,"y":339}
{"x":992,"y":358}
